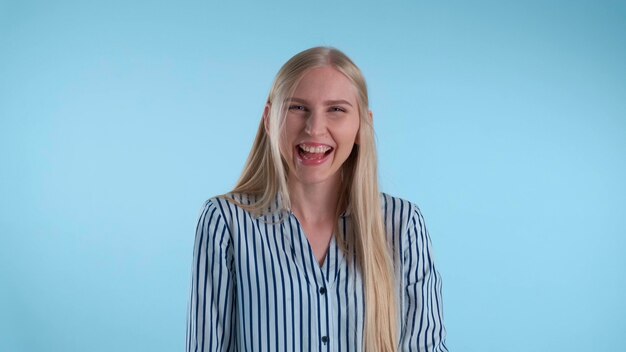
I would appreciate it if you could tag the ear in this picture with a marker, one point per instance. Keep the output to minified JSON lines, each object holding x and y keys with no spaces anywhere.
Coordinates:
{"x":266,"y":118}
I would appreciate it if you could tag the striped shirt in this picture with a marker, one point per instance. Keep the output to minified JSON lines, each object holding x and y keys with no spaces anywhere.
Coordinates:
{"x":257,"y":286}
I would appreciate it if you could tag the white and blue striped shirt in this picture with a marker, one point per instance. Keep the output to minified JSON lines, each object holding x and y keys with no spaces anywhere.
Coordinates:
{"x":257,"y":286}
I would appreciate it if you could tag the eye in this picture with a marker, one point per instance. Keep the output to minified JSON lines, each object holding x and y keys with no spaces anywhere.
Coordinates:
{"x":297,"y":108}
{"x":337,"y":109}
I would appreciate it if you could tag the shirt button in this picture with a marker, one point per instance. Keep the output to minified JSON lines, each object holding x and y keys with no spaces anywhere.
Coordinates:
{"x":324,"y":339}
{"x":322,"y":290}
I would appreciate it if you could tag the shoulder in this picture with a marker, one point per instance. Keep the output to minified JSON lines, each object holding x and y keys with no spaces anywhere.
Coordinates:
{"x":229,"y":207}
{"x":403,"y":221}
{"x":214,"y":227}
{"x":228,"y":200}
{"x":398,"y":209}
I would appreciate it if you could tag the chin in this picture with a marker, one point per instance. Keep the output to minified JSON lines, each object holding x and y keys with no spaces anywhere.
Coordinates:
{"x":313,"y":178}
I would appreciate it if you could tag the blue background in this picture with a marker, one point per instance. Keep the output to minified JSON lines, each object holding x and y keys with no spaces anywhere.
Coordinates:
{"x":504,"y":120}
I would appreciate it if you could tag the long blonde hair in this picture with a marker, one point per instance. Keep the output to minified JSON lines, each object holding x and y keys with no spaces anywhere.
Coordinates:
{"x":265,"y":177}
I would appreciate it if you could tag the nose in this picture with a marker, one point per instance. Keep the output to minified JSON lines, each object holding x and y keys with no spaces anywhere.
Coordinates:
{"x":315,"y":124}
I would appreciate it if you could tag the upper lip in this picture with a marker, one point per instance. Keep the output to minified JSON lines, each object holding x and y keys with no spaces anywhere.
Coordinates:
{"x":314,"y":144}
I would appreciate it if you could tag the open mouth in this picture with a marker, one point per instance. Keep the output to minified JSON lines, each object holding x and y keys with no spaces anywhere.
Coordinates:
{"x":310,"y":152}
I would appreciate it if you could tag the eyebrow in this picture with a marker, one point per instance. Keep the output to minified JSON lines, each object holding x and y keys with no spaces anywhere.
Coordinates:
{"x":327,"y":102}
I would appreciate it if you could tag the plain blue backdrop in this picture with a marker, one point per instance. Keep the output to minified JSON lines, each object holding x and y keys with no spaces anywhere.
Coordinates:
{"x":505,"y":121}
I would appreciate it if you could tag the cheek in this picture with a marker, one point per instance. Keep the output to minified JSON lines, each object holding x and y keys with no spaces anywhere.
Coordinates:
{"x":285,"y":147}
{"x":288,"y":139}
{"x":350,"y":135}
{"x":291,"y":129}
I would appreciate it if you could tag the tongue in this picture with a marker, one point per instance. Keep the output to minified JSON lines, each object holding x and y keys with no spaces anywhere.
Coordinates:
{"x":312,"y":156}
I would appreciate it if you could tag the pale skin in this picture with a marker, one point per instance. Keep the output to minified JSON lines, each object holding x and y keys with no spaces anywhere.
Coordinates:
{"x":323,"y":111}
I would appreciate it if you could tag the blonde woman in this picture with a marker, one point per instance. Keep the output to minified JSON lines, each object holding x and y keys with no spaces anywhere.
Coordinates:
{"x":305,"y":254}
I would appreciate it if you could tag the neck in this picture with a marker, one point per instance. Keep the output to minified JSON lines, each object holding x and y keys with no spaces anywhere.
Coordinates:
{"x":315,"y":203}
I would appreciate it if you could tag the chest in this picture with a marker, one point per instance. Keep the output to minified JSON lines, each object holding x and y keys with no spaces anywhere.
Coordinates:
{"x":279,"y":282}
{"x":319,"y":238}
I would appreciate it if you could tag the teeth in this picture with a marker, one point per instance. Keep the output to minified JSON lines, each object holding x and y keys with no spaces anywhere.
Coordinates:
{"x":315,"y":150}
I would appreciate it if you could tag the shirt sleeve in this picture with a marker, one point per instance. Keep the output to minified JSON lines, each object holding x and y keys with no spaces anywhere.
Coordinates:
{"x":422,"y":312}
{"x":211,"y":315}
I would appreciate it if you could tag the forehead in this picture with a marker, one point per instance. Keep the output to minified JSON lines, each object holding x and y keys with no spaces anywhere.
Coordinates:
{"x":325,"y":83}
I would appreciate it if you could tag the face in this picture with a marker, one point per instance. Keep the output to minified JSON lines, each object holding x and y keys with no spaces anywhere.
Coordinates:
{"x":321,"y":127}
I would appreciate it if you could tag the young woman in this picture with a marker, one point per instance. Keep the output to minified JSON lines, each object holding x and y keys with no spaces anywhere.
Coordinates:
{"x":305,"y":254}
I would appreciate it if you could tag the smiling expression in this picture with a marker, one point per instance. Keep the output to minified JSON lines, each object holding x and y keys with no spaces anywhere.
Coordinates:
{"x":321,"y":127}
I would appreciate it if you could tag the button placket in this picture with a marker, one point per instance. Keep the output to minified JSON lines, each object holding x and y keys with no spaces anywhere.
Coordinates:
{"x":327,"y":304}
